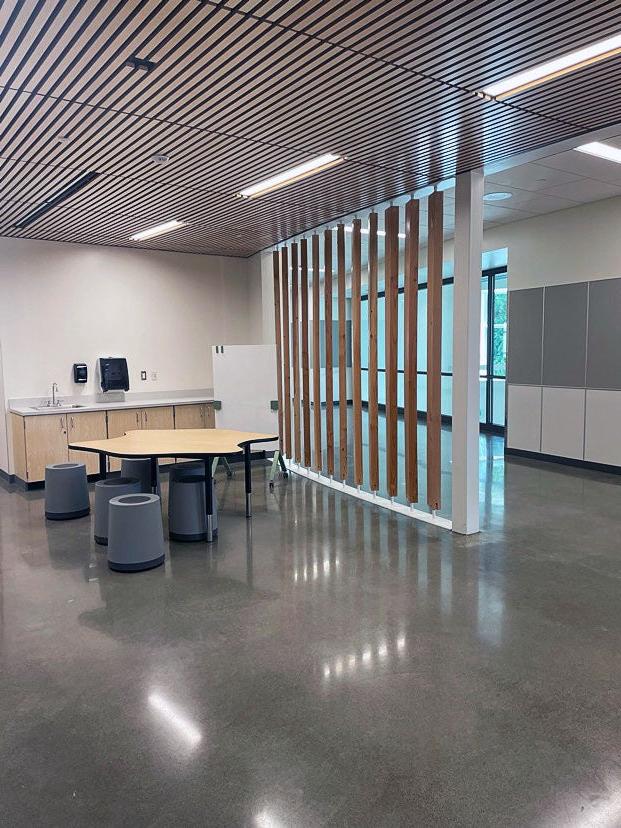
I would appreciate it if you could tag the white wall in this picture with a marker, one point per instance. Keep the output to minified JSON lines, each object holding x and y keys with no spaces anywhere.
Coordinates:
{"x":581,"y":244}
{"x":66,"y":303}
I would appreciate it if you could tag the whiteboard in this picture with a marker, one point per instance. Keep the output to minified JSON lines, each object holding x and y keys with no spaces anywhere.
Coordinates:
{"x":244,"y":380}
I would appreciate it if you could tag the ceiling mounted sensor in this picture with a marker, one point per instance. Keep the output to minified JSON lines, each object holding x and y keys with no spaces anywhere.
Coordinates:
{"x":56,"y":198}
{"x":283,"y":179}
{"x":158,"y":230}
{"x":497,"y":196}
{"x":160,"y":158}
{"x":601,"y":151}
{"x":555,"y":68}
{"x":64,"y":139}
{"x":142,"y":64}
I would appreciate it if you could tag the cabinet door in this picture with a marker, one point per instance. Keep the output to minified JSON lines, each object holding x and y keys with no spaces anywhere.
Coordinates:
{"x":46,"y":442}
{"x":121,"y":420}
{"x":160,"y":417}
{"x":209,"y":416}
{"x":90,"y":425}
{"x":189,"y":416}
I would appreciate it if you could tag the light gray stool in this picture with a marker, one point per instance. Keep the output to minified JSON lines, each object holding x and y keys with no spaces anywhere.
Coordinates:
{"x":140,"y":468}
{"x":66,"y":491}
{"x":135,"y":532}
{"x":187,"y":520}
{"x":105,"y":490}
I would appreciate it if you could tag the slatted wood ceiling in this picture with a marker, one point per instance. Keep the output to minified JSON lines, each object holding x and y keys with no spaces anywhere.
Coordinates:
{"x":243,"y":90}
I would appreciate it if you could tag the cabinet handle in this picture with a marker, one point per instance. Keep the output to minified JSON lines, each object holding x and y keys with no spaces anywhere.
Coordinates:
{"x":71,"y":423}
{"x":137,"y":420}
{"x":146,"y":419}
{"x":62,"y":423}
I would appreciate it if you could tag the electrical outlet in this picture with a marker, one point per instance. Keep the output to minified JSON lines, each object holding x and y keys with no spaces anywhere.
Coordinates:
{"x":153,"y":376}
{"x":143,"y":375}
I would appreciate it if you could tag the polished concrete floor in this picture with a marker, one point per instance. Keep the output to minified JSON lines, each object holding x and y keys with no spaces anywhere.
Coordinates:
{"x":326,"y":663}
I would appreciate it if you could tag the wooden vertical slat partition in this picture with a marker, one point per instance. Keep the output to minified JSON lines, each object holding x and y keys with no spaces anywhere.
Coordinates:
{"x":373,"y":433}
{"x":391,"y":280}
{"x":304,"y":350}
{"x":327,"y":285}
{"x":410,"y":340}
{"x":434,"y":347}
{"x":356,"y":357}
{"x":295,"y":320}
{"x":286,"y":355}
{"x":316,"y":356}
{"x":278,"y":331}
{"x":342,"y":308}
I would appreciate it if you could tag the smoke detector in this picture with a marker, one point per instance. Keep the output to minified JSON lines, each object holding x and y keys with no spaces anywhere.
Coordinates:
{"x":160,"y":158}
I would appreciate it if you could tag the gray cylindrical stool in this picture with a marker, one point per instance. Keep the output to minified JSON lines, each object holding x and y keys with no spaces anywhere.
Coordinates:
{"x":135,"y":532}
{"x":66,"y":491}
{"x":187,"y":520}
{"x":194,"y":468}
{"x":105,"y":490}
{"x":140,"y":468}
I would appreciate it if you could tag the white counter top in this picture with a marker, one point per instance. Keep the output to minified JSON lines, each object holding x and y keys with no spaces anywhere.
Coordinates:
{"x":25,"y":409}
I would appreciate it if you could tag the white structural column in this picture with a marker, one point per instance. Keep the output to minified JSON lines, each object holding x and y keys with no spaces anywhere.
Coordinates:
{"x":469,"y":188}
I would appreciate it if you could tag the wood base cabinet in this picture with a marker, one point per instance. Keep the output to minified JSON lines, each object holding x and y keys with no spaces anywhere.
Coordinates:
{"x":43,"y":440}
{"x":200,"y":415}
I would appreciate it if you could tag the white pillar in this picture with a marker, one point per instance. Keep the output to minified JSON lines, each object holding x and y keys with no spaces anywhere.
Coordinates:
{"x":466,"y":338}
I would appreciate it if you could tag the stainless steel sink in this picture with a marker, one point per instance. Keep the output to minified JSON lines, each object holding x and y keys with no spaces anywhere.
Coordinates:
{"x":52,"y":408}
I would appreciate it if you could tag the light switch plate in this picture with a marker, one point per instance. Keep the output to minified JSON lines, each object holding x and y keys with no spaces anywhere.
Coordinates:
{"x":143,"y":375}
{"x":153,"y":376}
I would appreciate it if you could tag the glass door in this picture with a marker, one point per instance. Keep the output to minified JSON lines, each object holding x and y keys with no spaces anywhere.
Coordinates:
{"x":493,"y":349}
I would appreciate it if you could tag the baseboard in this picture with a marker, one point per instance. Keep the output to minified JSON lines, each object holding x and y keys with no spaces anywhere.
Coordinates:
{"x":8,"y":478}
{"x":563,"y":461}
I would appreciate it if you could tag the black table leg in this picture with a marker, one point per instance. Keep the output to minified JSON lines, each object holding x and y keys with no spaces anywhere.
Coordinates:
{"x":209,"y":499}
{"x":103,"y":466}
{"x":154,"y":475}
{"x":248,"y":475}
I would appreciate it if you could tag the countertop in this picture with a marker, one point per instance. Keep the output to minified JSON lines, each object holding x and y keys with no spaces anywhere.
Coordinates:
{"x":26,"y":410}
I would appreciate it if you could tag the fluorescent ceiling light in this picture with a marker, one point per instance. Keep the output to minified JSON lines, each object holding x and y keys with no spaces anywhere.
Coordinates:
{"x":601,"y":151}
{"x":555,"y":68}
{"x":315,"y":165}
{"x":158,"y":230}
{"x":497,"y":196}
{"x":56,"y":198}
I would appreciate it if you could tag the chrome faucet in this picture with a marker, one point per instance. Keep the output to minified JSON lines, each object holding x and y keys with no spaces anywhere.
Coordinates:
{"x":54,"y":392}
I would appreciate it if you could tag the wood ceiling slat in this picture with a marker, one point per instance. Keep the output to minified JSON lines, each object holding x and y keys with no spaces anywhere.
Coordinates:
{"x":242,"y":90}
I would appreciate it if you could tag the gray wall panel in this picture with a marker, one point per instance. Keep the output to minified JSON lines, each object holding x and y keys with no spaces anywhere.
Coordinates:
{"x":604,"y":340}
{"x":564,"y":335}
{"x":525,"y":334}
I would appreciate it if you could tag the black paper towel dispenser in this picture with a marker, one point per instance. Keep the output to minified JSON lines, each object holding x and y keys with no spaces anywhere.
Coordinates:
{"x":114,"y":374}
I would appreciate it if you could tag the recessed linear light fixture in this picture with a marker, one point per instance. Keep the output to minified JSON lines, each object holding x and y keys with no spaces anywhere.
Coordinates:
{"x":601,"y":151}
{"x":555,"y":68}
{"x":158,"y":230}
{"x":56,"y":198}
{"x":497,"y":196}
{"x":283,"y":179}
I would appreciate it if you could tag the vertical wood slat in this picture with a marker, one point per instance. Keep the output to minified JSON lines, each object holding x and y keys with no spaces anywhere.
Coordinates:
{"x":356,"y":360}
{"x":286,"y":354}
{"x":277,"y":325}
{"x":391,"y":278}
{"x":342,"y":309}
{"x":434,"y":347}
{"x":304,"y":349}
{"x":316,"y":356}
{"x":373,"y":412}
{"x":295,"y":324}
{"x":411,"y":344}
{"x":327,"y":285}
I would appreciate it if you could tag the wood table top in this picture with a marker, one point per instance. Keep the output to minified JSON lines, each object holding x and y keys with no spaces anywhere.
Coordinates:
{"x":180,"y":442}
